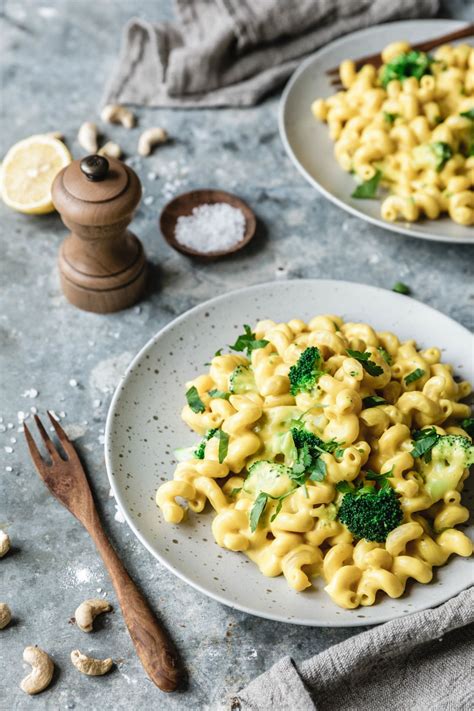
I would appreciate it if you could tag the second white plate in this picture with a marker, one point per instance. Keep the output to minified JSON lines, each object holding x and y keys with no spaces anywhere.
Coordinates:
{"x":144,"y":427}
{"x":307,"y":141}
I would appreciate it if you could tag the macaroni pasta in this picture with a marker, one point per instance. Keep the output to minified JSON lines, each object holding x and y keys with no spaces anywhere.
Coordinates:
{"x":409,"y":127}
{"x":319,"y":423}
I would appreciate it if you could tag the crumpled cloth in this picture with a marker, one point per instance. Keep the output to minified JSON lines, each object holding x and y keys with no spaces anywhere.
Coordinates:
{"x":420,"y":662}
{"x":234,"y":52}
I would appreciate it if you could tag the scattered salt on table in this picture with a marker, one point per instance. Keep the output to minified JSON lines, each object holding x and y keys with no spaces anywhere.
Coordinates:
{"x":211,"y":228}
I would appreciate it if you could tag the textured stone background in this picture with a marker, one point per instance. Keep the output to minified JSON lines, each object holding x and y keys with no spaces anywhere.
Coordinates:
{"x":56,"y":55}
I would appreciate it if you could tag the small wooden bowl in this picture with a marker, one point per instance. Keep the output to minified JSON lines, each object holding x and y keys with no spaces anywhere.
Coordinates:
{"x":184,"y":205}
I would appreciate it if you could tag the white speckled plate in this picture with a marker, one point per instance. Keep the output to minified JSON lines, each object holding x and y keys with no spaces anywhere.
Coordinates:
{"x":144,"y":427}
{"x":307,"y":141}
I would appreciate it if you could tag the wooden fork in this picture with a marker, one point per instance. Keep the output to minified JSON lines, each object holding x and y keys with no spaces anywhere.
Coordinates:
{"x":67,"y":481}
{"x":376,"y":59}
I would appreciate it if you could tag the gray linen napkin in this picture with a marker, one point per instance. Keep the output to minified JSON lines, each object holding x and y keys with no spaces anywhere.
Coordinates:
{"x":421,"y":662}
{"x":233,"y":52}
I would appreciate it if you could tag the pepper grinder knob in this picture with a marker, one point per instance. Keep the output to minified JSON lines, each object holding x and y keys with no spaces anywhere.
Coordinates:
{"x":102,"y":265}
{"x":95,"y":167}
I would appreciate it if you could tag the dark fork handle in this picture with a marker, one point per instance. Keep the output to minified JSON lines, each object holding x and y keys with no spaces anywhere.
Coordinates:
{"x":152,"y":644}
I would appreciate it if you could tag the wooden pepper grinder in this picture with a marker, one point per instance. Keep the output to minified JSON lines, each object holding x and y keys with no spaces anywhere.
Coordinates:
{"x":102,"y":265}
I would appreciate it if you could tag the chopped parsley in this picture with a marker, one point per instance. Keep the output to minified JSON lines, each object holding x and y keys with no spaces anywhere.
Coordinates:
{"x":468,"y":114}
{"x":414,"y":375}
{"x":247,"y":341}
{"x":424,"y":441}
{"x":223,"y":438}
{"x":219,"y":394}
{"x":236,"y":490}
{"x":409,"y":64}
{"x":308,"y":464}
{"x":201,"y":448}
{"x":373,"y":401}
{"x":385,"y":355}
{"x":259,"y":507}
{"x":390,"y":118}
{"x":380,"y":479}
{"x":400,"y":288}
{"x":194,"y":401}
{"x":367,"y":364}
{"x":442,"y":152}
{"x":368,"y":189}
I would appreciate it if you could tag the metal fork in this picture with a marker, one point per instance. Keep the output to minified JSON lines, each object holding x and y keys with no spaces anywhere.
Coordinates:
{"x":376,"y":59}
{"x":67,"y":481}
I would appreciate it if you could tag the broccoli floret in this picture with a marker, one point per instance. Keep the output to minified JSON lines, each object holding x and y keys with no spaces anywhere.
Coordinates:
{"x":305,"y":373}
{"x":408,"y":64}
{"x":200,"y":450}
{"x":315,"y":444}
{"x":269,"y":477}
{"x":371,"y":515}
{"x":242,"y":380}
{"x":450,"y":456}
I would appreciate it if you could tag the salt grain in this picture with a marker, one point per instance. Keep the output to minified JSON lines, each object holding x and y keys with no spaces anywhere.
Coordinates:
{"x":8,"y":450}
{"x":73,"y":383}
{"x":8,"y":469}
{"x":211,"y":228}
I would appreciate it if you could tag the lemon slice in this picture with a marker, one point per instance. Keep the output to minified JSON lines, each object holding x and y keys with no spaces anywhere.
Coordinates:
{"x":28,"y":171}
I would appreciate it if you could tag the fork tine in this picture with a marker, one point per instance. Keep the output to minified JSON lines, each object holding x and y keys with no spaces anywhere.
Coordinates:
{"x":34,"y":451}
{"x":46,"y":439}
{"x":62,"y":436}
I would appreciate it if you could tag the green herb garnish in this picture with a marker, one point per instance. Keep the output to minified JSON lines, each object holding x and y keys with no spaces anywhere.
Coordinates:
{"x":442,"y":152}
{"x":415,"y":375}
{"x":223,"y":438}
{"x":257,"y":510}
{"x":194,"y":401}
{"x":385,"y":355}
{"x":373,"y":401}
{"x":409,"y":64}
{"x":367,"y":364}
{"x":380,"y":479}
{"x":424,"y":441}
{"x":219,"y":394}
{"x":368,"y":189}
{"x":400,"y":288}
{"x":247,"y":341}
{"x":468,"y":114}
{"x":235,"y":491}
{"x":201,"y":448}
{"x":259,"y":507}
{"x":390,"y":118}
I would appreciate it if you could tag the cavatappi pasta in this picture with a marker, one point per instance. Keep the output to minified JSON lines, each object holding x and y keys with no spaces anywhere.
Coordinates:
{"x":320,"y":421}
{"x":409,"y":127}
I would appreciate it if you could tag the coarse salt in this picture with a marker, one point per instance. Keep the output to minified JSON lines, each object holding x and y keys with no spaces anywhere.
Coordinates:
{"x":211,"y":228}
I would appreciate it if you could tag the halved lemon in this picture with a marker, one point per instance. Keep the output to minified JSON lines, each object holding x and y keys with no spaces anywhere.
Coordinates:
{"x":28,"y":171}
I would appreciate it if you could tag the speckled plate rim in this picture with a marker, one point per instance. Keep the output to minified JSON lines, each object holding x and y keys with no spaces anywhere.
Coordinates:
{"x":310,"y":64}
{"x":354,"y":621}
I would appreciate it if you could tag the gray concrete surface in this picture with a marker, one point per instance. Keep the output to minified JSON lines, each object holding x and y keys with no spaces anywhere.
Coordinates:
{"x":56,"y":55}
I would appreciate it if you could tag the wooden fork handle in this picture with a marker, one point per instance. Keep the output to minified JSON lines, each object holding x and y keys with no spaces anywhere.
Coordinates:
{"x":152,"y":643}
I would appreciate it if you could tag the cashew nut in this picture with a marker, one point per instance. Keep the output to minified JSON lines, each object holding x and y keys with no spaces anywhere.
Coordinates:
{"x":87,"y":137}
{"x":88,"y":611}
{"x":150,"y":138}
{"x":42,"y":672}
{"x":4,"y":543}
{"x":5,"y":615}
{"x":89,"y":665}
{"x":110,"y":150}
{"x":116,"y":113}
